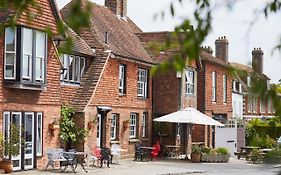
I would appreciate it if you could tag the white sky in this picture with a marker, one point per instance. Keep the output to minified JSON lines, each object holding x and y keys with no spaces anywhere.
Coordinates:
{"x":231,"y":22}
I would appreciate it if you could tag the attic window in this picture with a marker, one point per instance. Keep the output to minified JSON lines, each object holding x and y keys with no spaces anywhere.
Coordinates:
{"x":106,"y":37}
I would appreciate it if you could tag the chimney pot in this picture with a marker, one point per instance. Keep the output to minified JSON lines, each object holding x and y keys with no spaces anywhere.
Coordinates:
{"x":222,"y":48}
{"x":257,"y":60}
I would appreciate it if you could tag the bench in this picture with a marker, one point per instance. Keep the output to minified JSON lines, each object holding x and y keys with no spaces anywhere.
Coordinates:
{"x":55,"y":155}
{"x":240,"y":154}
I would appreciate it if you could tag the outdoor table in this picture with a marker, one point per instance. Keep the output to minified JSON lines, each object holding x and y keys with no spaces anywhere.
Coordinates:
{"x":147,"y":150}
{"x":72,"y":160}
{"x":245,"y":151}
{"x":172,"y":150}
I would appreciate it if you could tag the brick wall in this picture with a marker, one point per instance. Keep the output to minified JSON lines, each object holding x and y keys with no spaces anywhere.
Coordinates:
{"x":107,"y":94}
{"x":46,"y":101}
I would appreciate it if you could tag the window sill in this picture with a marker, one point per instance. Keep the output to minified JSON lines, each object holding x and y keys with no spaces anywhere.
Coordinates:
{"x":70,"y":84}
{"x":142,"y":98}
{"x":190,"y":95}
{"x":114,"y":141}
{"x":145,"y":139}
{"x":122,"y":95}
{"x":33,"y":87}
{"x":134,"y":140}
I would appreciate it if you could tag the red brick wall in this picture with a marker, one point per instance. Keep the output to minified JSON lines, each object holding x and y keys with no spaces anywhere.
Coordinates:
{"x":165,"y":92}
{"x":107,"y":94}
{"x":46,"y":101}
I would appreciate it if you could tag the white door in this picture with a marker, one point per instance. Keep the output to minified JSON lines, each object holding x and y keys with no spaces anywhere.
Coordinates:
{"x":29,"y":140}
{"x":16,"y":119}
{"x":99,"y":130}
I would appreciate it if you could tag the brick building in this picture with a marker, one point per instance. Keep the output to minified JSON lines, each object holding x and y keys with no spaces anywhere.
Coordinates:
{"x":214,"y":89}
{"x":115,"y":91}
{"x":253,"y":105}
{"x":30,"y":81}
{"x":172,"y":91}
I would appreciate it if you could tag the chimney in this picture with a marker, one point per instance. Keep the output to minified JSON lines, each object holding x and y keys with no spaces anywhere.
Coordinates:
{"x":118,"y":7}
{"x":222,"y":48}
{"x":207,"y":49}
{"x":257,"y":60}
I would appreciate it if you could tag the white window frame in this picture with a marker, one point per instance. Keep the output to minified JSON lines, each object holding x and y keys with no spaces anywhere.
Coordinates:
{"x":30,"y":55}
{"x":262,"y":107}
{"x":255,"y":104}
{"x":142,"y":82}
{"x":214,"y":86}
{"x":73,"y":67}
{"x":39,"y":114}
{"x":234,"y":86}
{"x":144,"y":120}
{"x":224,"y":82}
{"x":133,"y":125}
{"x":113,"y":128}
{"x":10,"y":52}
{"x":121,"y":79}
{"x":42,"y":59}
{"x":189,"y":81}
{"x":270,"y":106}
{"x":250,"y":104}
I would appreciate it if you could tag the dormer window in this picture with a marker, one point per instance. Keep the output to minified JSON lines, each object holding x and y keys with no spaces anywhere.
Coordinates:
{"x":25,"y":56}
{"x":106,"y":37}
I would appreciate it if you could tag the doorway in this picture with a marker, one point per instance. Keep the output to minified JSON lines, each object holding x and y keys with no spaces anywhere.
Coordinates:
{"x":27,"y":123}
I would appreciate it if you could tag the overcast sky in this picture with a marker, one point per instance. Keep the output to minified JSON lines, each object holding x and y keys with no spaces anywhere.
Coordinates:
{"x":234,"y":23}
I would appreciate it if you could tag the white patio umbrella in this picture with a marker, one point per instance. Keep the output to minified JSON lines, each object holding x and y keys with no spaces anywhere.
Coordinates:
{"x":188,"y":115}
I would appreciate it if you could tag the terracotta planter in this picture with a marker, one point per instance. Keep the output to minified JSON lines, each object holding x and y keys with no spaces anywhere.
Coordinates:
{"x":7,"y":166}
{"x":195,"y":157}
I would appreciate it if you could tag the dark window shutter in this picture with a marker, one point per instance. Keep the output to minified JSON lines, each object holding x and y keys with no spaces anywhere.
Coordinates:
{"x":148,"y":84}
{"x":137,"y":126}
{"x":125,"y":79}
{"x":117,"y":126}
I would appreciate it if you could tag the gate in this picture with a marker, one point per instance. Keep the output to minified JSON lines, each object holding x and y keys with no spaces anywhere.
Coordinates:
{"x":230,"y":136}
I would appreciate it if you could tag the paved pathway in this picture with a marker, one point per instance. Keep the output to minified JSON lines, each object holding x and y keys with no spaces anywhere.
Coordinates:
{"x":171,"y":167}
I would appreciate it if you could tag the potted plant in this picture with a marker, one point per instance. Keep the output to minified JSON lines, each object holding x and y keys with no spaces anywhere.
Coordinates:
{"x":9,"y":148}
{"x":196,"y":154}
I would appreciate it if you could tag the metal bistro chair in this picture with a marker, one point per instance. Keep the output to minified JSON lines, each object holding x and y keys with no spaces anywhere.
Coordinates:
{"x":71,"y":160}
{"x":105,"y":155}
{"x":139,"y":153}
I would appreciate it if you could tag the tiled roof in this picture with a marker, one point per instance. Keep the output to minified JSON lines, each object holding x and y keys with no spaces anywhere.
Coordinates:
{"x":89,"y":81}
{"x":79,"y":45}
{"x":121,"y":33}
{"x":211,"y":59}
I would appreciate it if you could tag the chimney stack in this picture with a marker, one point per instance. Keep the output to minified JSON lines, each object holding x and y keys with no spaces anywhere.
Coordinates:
{"x":207,"y":49}
{"x":257,"y":60}
{"x":222,"y":48}
{"x":118,"y":7}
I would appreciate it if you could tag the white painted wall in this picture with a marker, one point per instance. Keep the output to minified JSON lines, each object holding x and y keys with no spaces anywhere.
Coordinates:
{"x":237,"y":105}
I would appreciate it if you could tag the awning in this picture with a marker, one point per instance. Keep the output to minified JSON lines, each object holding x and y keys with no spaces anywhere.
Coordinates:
{"x":188,"y":115}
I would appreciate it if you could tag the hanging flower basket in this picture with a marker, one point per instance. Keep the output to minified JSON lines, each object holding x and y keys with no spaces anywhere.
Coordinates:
{"x":126,"y":124}
{"x":90,"y":125}
{"x":53,"y":126}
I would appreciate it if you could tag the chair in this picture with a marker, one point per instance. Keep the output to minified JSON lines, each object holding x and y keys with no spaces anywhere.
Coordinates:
{"x":154,"y":153}
{"x":139,"y":153}
{"x":105,"y":155}
{"x":96,"y":156}
{"x":115,"y":152}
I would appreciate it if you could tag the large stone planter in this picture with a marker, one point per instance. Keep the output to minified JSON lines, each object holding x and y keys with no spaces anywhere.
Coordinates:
{"x":212,"y":158}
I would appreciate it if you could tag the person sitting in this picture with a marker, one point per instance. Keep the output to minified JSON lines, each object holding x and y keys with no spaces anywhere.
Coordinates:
{"x":154,"y":153}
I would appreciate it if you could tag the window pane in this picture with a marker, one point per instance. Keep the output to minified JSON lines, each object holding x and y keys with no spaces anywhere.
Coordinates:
{"x":10,"y":67}
{"x":65,"y":66}
{"x":27,"y":41}
{"x":39,"y":135}
{"x":40,"y":55}
{"x":77,"y":69}
{"x":71,"y":63}
{"x":82,"y":65}
{"x":26,"y":66}
{"x":10,"y":39}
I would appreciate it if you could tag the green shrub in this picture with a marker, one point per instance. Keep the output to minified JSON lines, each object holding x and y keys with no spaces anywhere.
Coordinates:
{"x":196,"y":149}
{"x":206,"y":150}
{"x":262,"y":141}
{"x":222,"y":151}
{"x":255,"y":156}
{"x":273,"y":156}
